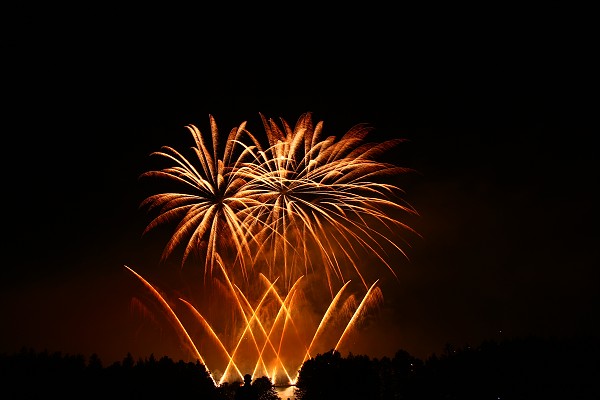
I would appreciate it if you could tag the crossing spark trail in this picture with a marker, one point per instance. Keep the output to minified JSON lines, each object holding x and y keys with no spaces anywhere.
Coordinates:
{"x":264,"y":210}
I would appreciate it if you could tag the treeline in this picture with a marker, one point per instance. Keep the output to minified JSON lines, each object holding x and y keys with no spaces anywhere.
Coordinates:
{"x":32,"y":375}
{"x":36,"y":375}
{"x":522,"y":368}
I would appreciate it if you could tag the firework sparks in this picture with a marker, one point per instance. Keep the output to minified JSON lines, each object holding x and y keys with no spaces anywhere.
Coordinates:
{"x":302,"y":203}
{"x":301,"y":195}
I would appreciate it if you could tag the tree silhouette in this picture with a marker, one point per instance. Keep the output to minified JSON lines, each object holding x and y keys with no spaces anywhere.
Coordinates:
{"x":519,"y":368}
{"x":264,"y":388}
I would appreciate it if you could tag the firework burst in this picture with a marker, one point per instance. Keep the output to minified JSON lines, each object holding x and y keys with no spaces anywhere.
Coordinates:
{"x":259,"y":213}
{"x":303,"y":201}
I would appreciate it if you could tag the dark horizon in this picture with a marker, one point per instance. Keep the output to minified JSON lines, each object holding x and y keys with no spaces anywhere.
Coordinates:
{"x":527,"y":367}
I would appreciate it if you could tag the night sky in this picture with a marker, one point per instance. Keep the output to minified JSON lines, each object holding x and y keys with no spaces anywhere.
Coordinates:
{"x":497,"y":115}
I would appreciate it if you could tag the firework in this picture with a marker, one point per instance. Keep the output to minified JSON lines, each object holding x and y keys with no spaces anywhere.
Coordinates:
{"x":298,"y":203}
{"x":284,"y":208}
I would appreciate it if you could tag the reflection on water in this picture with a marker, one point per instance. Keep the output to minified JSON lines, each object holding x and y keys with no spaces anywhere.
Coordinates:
{"x":285,"y":392}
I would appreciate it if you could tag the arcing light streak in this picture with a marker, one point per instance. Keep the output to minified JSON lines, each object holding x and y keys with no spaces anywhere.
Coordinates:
{"x":173,"y":316}
{"x":356,"y":314}
{"x":214,"y":335}
{"x":326,"y":317}
{"x":269,"y":366}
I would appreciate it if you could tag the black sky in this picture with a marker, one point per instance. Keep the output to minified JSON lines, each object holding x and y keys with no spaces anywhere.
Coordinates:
{"x":497,"y":111}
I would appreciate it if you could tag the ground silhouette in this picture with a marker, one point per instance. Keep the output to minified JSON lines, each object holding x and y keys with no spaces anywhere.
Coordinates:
{"x":519,"y":368}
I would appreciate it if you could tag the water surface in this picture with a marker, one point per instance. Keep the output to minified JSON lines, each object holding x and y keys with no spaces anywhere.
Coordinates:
{"x":285,"y":392}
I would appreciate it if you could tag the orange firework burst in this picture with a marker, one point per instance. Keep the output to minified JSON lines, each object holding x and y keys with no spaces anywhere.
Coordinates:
{"x":299,"y":204}
{"x":302,"y":200}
